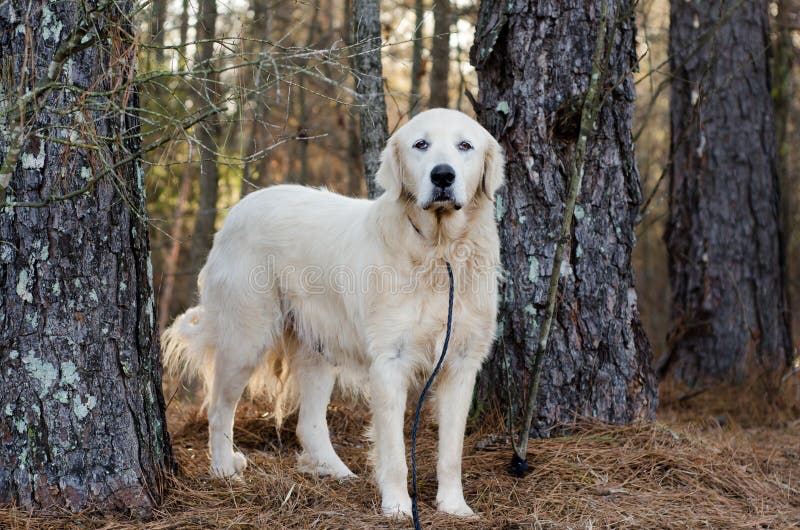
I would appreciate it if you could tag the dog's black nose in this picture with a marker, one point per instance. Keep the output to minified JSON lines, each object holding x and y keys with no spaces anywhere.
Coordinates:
{"x":443,"y":175}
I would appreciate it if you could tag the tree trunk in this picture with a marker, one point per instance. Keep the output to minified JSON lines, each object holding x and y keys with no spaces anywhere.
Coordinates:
{"x":158,"y":16}
{"x":207,"y":136}
{"x":369,"y":86}
{"x":304,"y":117}
{"x":176,"y":241}
{"x":533,"y":61}
{"x":184,"y":29}
{"x":783,"y":93}
{"x":82,"y":422}
{"x":440,"y":54}
{"x":726,"y":261}
{"x":417,"y":71}
{"x":261,"y":29}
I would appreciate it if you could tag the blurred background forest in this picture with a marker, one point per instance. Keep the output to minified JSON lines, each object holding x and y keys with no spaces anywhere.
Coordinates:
{"x":296,"y":120}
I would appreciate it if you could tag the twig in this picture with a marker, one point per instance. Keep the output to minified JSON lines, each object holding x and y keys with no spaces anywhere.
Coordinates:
{"x":128,"y":159}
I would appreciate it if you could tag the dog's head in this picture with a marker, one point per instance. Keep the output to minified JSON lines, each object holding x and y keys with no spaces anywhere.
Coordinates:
{"x":442,"y":159}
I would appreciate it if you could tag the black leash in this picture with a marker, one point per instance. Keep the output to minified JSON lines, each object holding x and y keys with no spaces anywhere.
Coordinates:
{"x":414,"y":507}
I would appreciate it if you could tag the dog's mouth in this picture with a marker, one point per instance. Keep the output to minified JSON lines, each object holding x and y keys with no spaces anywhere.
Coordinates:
{"x":442,"y":199}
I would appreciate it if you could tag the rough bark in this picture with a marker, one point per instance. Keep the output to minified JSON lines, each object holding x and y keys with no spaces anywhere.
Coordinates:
{"x":82,"y":420}
{"x":207,"y":134}
{"x":440,"y":54}
{"x":417,"y":71}
{"x":366,"y":63}
{"x":534,"y":61}
{"x":723,"y":236}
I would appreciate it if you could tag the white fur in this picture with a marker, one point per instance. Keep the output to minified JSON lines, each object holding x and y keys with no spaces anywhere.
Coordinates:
{"x":304,"y":288}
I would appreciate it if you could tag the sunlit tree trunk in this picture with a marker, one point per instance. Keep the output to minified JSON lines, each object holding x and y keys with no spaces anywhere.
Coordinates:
{"x":207,"y":136}
{"x":366,"y":61}
{"x":533,"y":63}
{"x":726,"y":261}
{"x":440,"y":53}
{"x":82,"y":423}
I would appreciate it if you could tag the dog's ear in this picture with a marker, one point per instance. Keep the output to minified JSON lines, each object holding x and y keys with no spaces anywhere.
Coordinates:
{"x":493,"y":169}
{"x":390,"y":173}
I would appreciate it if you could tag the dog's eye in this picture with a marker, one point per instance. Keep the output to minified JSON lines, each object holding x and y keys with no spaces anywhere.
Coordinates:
{"x":422,"y":145}
{"x":465,"y":146}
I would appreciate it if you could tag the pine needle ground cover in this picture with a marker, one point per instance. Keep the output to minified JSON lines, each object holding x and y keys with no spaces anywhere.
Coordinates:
{"x":702,"y":464}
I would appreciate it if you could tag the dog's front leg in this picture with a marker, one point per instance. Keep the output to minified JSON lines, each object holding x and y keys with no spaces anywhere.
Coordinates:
{"x":454,"y":395}
{"x":388,"y":385}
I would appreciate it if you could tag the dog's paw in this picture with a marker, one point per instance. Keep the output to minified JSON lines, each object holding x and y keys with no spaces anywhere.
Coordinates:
{"x":457,"y":507}
{"x":397,"y":508}
{"x":229,"y":468}
{"x":309,"y":464}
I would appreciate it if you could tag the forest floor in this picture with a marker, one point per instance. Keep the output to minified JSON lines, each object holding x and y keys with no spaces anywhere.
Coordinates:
{"x":701,"y":464}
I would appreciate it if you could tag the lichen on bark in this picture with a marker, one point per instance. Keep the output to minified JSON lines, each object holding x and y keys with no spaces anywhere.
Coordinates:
{"x":77,"y":429}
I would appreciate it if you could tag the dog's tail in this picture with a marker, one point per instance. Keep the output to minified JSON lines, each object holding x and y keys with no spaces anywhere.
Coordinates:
{"x":188,"y":353}
{"x":187,"y":348}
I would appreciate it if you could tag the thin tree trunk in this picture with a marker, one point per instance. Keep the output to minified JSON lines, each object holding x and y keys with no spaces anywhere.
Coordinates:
{"x":417,"y":71}
{"x":171,"y":261}
{"x":726,"y":258}
{"x":304,"y":117}
{"x":208,"y":134}
{"x":255,"y":141}
{"x":462,"y":82}
{"x":355,"y":182}
{"x":82,"y":424}
{"x":184,"y":26}
{"x":440,"y":53}
{"x":158,"y":16}
{"x":783,"y":93}
{"x":366,"y":62}
{"x":598,"y":360}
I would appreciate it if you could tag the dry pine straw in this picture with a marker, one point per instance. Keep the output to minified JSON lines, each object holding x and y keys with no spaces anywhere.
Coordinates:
{"x":676,"y":473}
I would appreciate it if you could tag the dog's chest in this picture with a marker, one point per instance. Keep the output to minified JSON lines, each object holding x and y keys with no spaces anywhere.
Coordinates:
{"x":413,"y":323}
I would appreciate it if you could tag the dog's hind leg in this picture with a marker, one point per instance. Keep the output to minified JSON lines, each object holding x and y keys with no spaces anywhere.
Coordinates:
{"x":233,"y":367}
{"x":316,"y":378}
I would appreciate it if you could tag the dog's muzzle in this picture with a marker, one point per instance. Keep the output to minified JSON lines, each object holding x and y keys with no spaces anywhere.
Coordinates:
{"x":442,"y":178}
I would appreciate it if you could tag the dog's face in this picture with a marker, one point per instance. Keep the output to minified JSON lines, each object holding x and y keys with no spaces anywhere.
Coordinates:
{"x":442,"y":159}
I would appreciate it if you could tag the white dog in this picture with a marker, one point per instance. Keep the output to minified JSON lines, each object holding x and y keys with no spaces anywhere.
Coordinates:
{"x":304,"y":288}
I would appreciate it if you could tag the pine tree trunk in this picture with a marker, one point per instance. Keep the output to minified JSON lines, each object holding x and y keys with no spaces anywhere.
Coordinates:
{"x":158,"y":16}
{"x":726,"y":262}
{"x":784,"y":92}
{"x":368,"y":71}
{"x":440,"y":54}
{"x":304,"y":116}
{"x":176,"y":241}
{"x":415,"y":97}
{"x":533,"y":61}
{"x":208,"y":134}
{"x":82,"y":420}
